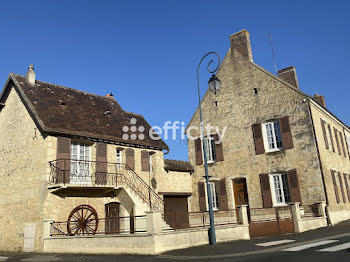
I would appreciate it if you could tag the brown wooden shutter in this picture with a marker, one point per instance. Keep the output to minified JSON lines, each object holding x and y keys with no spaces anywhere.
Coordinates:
{"x":145,"y":160}
{"x":130,"y":158}
{"x":265,"y":190}
{"x":347,"y":185}
{"x":323,"y":124}
{"x":218,"y":149}
{"x":342,"y":143}
{"x":201,"y":196}
{"x":337,"y":140}
{"x":294,"y":188}
{"x":331,"y":137}
{"x":287,"y":139}
{"x":258,"y":139}
{"x":198,"y":149}
{"x":63,"y":160}
{"x":341,"y":187}
{"x":101,"y":164}
{"x":223,"y":203}
{"x":335,"y":186}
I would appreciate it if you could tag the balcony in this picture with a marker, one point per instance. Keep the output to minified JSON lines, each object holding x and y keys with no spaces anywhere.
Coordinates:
{"x":70,"y":177}
{"x":82,"y":178}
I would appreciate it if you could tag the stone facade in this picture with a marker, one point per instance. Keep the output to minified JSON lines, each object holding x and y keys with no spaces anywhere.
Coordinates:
{"x":27,"y":199}
{"x":249,"y":94}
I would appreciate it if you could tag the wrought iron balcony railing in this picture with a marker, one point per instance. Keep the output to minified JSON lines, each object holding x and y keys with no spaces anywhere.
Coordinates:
{"x":93,"y":174}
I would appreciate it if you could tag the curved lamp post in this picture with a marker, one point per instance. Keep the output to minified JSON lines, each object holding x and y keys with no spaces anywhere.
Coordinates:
{"x":214,"y":86}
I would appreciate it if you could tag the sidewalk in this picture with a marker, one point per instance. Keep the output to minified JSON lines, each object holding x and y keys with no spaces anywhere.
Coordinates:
{"x":247,"y":246}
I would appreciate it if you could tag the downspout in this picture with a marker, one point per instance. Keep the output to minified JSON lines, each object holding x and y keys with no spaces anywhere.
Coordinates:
{"x":319,"y":159}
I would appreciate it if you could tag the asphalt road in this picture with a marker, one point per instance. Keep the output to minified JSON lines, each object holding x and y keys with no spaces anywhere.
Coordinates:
{"x":327,"y":244}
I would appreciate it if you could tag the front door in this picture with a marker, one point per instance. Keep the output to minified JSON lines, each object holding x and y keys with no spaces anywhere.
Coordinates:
{"x":240,"y":191}
{"x":112,"y":223}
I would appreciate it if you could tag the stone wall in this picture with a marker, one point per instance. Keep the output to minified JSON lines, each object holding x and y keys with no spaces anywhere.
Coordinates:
{"x":332,"y":161}
{"x":238,"y":107}
{"x":23,"y":173}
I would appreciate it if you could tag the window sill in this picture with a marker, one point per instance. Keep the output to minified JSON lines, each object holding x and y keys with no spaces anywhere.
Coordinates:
{"x":274,"y":150}
{"x":281,"y":205}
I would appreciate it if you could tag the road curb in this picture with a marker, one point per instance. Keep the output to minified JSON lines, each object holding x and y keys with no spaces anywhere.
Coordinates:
{"x":3,"y":258}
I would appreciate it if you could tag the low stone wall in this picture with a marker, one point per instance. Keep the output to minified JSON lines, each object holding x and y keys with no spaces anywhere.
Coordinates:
{"x":312,"y":223}
{"x":142,"y":244}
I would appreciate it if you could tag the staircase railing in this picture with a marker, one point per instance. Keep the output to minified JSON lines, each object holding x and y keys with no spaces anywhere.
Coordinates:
{"x":92,"y":173}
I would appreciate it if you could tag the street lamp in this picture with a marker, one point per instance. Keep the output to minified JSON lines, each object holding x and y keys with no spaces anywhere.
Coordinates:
{"x":214,"y":86}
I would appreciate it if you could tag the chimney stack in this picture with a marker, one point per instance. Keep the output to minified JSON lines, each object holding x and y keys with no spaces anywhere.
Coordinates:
{"x":110,"y":96}
{"x":320,"y":99}
{"x":240,"y":42}
{"x":289,"y":75}
{"x":30,"y":76}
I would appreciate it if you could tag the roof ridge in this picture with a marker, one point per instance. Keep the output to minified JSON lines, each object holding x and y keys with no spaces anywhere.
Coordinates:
{"x":177,"y":160}
{"x":65,"y":87}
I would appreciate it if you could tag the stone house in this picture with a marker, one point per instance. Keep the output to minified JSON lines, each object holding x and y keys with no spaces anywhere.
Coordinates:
{"x":280,"y":145}
{"x":65,"y":153}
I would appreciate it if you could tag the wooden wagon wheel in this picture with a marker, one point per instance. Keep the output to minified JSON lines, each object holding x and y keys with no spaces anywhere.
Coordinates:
{"x":83,"y":220}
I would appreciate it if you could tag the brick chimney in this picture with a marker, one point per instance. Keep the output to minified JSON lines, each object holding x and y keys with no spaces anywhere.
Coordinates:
{"x":289,"y":75}
{"x":320,"y":99}
{"x":30,"y":75}
{"x":240,"y":42}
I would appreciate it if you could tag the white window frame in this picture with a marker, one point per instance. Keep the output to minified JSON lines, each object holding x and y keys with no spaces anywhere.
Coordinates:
{"x":274,"y":141}
{"x":281,"y":186}
{"x":209,"y":149}
{"x":118,"y":157}
{"x":82,"y":173}
{"x":213,"y":195}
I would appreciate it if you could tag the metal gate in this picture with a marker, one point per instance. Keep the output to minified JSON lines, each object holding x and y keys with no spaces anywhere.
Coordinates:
{"x":270,"y":221}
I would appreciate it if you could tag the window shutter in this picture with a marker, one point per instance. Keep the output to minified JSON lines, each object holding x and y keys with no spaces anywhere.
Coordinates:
{"x":145,"y":160}
{"x":335,"y":187}
{"x":258,"y":139}
{"x":323,"y":124}
{"x":294,"y":188}
{"x":101,"y":164}
{"x":130,"y":158}
{"x":341,"y":187}
{"x":330,"y":135}
{"x":223,"y":203}
{"x":198,"y":149}
{"x":265,"y":190}
{"x":287,"y":140}
{"x":218,"y":149}
{"x":63,"y":160}
{"x":201,"y":196}
{"x":347,"y":185}
{"x":337,"y":140}
{"x":342,"y":144}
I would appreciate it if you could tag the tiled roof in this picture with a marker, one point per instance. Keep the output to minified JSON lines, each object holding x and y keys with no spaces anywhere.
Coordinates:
{"x":176,"y":165}
{"x":63,"y":110}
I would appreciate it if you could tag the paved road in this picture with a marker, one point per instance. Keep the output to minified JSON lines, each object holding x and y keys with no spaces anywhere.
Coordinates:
{"x":328,"y":244}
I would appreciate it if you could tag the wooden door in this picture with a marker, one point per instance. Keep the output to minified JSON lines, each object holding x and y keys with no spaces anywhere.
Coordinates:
{"x":176,"y":211}
{"x":112,"y":223}
{"x":240,"y":191}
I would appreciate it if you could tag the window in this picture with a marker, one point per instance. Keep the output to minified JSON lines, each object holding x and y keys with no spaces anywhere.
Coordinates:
{"x":209,"y":143}
{"x":272,"y":136}
{"x":118,"y":158}
{"x":80,"y":165}
{"x":348,"y":142}
{"x":280,"y":189}
{"x":213,"y":195}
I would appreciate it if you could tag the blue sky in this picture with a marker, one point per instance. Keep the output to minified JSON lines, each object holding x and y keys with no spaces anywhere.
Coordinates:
{"x":146,"y":52}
